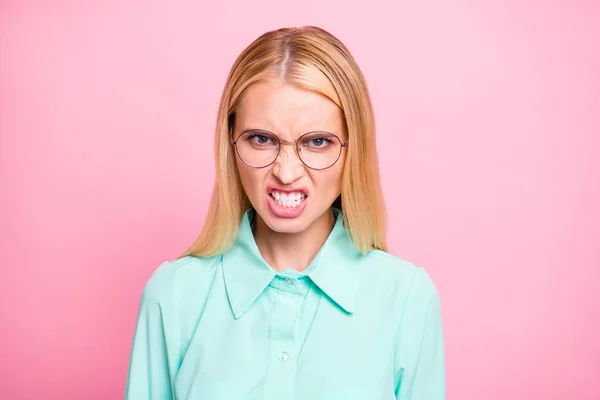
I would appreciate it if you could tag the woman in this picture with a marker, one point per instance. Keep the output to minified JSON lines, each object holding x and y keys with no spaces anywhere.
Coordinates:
{"x":288,"y":292}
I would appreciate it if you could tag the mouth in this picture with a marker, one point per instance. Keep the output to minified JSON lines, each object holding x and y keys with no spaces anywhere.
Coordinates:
{"x":287,"y":203}
{"x":288,"y":199}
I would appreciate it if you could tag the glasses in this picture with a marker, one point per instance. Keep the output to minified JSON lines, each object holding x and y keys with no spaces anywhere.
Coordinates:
{"x":317,"y":150}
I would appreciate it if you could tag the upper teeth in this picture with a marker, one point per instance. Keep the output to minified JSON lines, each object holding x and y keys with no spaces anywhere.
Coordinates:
{"x":288,"y":196}
{"x":288,"y":199}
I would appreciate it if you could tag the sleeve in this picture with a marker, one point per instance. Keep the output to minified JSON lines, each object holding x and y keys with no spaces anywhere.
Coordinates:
{"x":154,"y":349}
{"x":425,"y":377}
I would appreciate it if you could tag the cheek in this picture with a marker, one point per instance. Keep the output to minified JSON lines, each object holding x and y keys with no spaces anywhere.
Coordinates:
{"x":337,"y":178}
{"x":251,"y":178}
{"x":244,"y":173}
{"x":329,"y":180}
{"x":337,"y":171}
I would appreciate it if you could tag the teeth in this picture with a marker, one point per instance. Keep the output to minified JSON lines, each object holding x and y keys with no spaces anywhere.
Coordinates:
{"x":288,"y":199}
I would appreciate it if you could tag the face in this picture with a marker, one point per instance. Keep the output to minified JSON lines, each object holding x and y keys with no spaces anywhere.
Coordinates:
{"x":287,"y":195}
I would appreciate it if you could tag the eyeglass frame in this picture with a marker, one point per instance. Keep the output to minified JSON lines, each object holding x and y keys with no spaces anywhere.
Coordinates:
{"x":287,"y":142}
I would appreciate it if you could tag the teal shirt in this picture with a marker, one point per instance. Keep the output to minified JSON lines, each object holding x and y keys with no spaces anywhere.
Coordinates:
{"x":230,"y":327}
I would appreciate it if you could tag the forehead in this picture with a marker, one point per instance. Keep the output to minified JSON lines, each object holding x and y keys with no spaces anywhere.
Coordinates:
{"x":287,"y":110}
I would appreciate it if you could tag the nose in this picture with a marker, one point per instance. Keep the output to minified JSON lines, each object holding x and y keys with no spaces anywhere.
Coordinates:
{"x":287,"y":166}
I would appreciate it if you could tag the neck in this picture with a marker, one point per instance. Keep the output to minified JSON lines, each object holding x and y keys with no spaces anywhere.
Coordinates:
{"x":292,"y":250}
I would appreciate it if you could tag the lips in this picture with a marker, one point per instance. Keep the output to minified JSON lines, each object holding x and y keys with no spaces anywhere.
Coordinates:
{"x":282,"y":211}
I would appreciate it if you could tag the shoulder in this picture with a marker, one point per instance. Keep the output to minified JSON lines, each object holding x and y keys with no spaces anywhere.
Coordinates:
{"x":408,"y":282}
{"x":178,"y":276}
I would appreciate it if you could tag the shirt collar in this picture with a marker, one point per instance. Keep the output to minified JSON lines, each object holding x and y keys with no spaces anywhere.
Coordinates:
{"x":334,"y":269}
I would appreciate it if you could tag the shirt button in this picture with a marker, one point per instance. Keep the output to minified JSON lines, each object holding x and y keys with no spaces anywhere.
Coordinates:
{"x":283,"y":356}
{"x":288,"y":282}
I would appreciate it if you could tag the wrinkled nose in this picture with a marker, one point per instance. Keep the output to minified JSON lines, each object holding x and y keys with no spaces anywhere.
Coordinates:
{"x":287,"y":166}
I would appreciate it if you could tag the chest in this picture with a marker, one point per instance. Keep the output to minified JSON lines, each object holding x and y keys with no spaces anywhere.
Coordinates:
{"x":288,"y":346}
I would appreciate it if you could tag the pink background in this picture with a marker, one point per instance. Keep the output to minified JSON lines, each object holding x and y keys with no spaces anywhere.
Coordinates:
{"x":489,"y":135}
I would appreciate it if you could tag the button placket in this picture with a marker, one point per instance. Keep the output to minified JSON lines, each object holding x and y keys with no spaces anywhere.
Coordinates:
{"x":281,"y":371}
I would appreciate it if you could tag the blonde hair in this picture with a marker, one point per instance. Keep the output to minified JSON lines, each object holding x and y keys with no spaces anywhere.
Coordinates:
{"x":309,"y":58}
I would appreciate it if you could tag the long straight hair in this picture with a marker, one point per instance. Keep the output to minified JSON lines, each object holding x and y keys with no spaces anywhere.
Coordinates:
{"x":309,"y":58}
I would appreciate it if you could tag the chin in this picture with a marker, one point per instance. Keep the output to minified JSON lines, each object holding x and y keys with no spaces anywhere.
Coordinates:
{"x":286,"y":225}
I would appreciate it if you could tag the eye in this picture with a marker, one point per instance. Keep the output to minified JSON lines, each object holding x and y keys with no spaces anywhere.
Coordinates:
{"x":259,"y":139}
{"x":317,"y":142}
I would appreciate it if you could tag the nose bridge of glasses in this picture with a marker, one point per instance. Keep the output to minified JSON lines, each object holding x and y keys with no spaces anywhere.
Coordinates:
{"x":287,"y":142}
{"x":294,"y":150}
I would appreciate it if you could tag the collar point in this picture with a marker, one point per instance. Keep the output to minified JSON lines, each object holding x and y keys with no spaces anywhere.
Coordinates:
{"x":348,"y":309}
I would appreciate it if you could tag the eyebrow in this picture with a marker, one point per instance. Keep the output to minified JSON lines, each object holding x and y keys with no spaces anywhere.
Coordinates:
{"x":274,"y":134}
